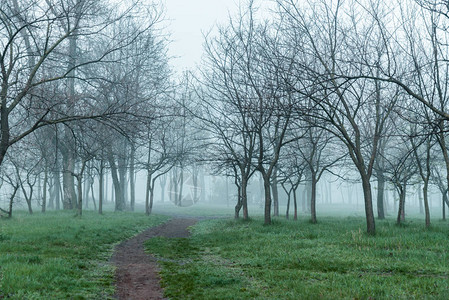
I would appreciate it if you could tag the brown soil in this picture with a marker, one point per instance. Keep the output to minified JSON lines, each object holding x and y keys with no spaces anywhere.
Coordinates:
{"x":137,"y":274}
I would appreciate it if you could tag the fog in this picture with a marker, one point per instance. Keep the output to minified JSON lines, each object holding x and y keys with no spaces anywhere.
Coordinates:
{"x":188,"y":104}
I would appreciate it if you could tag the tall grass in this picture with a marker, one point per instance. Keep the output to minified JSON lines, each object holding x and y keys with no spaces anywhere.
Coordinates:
{"x":334,"y":259}
{"x":59,"y":256}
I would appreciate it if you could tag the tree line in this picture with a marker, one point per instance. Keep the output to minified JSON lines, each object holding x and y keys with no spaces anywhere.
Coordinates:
{"x":327,"y":86}
{"x":304,"y":88}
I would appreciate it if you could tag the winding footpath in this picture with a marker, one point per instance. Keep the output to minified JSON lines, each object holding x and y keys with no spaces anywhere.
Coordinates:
{"x":137,"y":273}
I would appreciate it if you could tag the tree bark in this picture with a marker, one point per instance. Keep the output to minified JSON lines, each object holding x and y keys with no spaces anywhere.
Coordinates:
{"x":44,"y":194}
{"x":444,"y":194}
{"x":238,"y":205}
{"x":295,"y":205}
{"x":401,"y":209}
{"x":68,"y":182}
{"x":132,"y":184}
{"x":245,"y":198}
{"x":274,"y":190}
{"x":119,"y":203}
{"x":147,"y":193}
{"x":93,"y":194}
{"x":426,"y":203}
{"x":380,"y":195}
{"x":101,"y":188}
{"x":420,"y":199}
{"x":370,"y":222}
{"x":79,"y":178}
{"x":153,"y":183}
{"x":267,"y":190}
{"x":313,"y":199}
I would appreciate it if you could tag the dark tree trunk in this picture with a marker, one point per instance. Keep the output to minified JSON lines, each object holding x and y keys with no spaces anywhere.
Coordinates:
{"x":11,"y":200}
{"x":132,"y":184}
{"x":147,"y":193}
{"x":370,"y":222}
{"x":267,"y":190}
{"x":68,"y":182}
{"x":245,"y":198}
{"x":295,"y":206}
{"x":86,"y":186}
{"x":93,"y":195}
{"x":426,"y":203}
{"x":288,"y":205}
{"x":380,"y":195}
{"x":79,"y":178}
{"x":274,"y":191}
{"x":122,"y":182}
{"x":57,"y":184}
{"x":195,"y":173}
{"x":445,"y":201}
{"x":401,"y":209}
{"x":181,"y":184}
{"x":238,"y":205}
{"x":101,"y":188}
{"x":313,"y":200}
{"x":119,"y":203}
{"x":151,"y":197}
{"x":44,"y":194}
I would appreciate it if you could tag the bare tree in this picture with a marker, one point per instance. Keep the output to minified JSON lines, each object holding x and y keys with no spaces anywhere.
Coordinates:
{"x":353,"y":112}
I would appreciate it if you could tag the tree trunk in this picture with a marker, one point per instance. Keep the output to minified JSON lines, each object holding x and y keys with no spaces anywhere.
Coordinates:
{"x":426,"y":203}
{"x":238,"y":205}
{"x":245,"y":198}
{"x":122,"y":182}
{"x":274,"y":190}
{"x":153,"y":182}
{"x":295,"y":206}
{"x":147,"y":194}
{"x":313,"y":200}
{"x":44,"y":194}
{"x":444,"y":203}
{"x":420,"y":199}
{"x":380,"y":195}
{"x":57,"y":186}
{"x":401,"y":209}
{"x":106,"y":188}
{"x":119,"y":203}
{"x":28,"y":199}
{"x":370,"y":222}
{"x":267,"y":190}
{"x":181,"y":184}
{"x":86,"y":186}
{"x":196,"y":187}
{"x":11,"y":200}
{"x":93,"y":194}
{"x":68,"y":182}
{"x":101,"y":188}
{"x":79,"y":178}
{"x":288,"y":205}
{"x":132,"y":184}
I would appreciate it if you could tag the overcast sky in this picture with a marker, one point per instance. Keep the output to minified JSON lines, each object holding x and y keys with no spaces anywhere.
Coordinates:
{"x":186,"y":19}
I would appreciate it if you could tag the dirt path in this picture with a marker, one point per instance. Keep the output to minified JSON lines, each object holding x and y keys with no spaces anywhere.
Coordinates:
{"x":137,"y":272}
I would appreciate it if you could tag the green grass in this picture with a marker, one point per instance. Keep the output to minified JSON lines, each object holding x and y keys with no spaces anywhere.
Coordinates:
{"x":334,"y":259}
{"x":58,"y":256}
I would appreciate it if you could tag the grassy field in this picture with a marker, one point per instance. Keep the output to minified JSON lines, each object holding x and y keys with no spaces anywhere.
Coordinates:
{"x":335,"y":259}
{"x":58,"y":256}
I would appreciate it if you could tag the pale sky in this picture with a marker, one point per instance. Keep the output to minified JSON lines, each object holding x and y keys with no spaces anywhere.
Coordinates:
{"x":186,"y":20}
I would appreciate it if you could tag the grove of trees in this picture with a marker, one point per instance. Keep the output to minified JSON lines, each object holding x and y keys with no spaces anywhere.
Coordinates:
{"x":287,"y":93}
